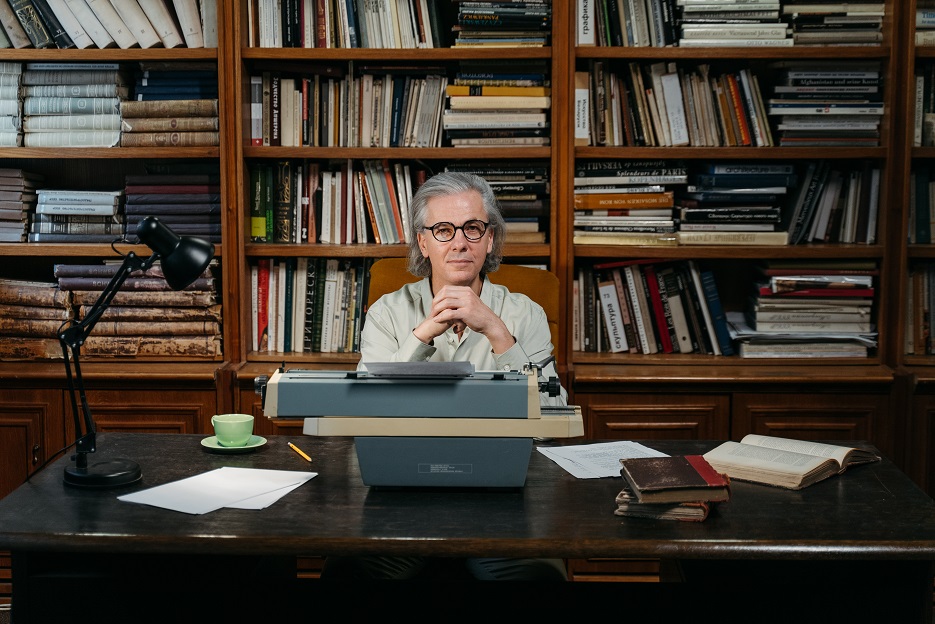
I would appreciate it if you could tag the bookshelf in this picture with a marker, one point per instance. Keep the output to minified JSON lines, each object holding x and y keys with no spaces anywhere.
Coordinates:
{"x":915,"y":365}
{"x":37,"y":422}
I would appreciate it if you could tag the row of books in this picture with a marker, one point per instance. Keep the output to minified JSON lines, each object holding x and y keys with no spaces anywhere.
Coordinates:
{"x":52,"y":104}
{"x":921,"y":201}
{"x":921,"y":295}
{"x":347,"y":202}
{"x":305,"y":305}
{"x":648,"y":306}
{"x":751,"y":23}
{"x":398,"y":24}
{"x":146,"y":317}
{"x":924,"y":104}
{"x":385,"y":105}
{"x":668,"y":203}
{"x":813,"y":103}
{"x":83,"y":24}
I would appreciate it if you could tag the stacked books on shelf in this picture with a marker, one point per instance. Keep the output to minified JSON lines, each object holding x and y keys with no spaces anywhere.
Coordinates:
{"x":634,"y":24}
{"x":808,"y":309}
{"x":140,"y":117}
{"x":921,"y":292}
{"x":32,"y":314}
{"x":17,"y":203}
{"x":735,"y":204}
{"x":483,"y":117}
{"x":648,"y":306}
{"x":522,"y":189}
{"x":345,"y":24}
{"x":305,"y":305}
{"x":503,"y":25}
{"x":925,"y":22}
{"x":11,"y":104}
{"x":190,"y":204}
{"x":181,"y":83}
{"x":665,"y":104}
{"x":626,"y":202}
{"x":828,"y":103}
{"x":72,"y":104}
{"x":835,"y":24}
{"x":146,"y":318}
{"x":679,"y":487}
{"x":836,"y":203}
{"x":77,"y":216}
{"x":753,"y":23}
{"x":66,"y":24}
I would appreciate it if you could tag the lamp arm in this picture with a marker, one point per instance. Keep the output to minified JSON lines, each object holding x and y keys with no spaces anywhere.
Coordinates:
{"x":74,"y":336}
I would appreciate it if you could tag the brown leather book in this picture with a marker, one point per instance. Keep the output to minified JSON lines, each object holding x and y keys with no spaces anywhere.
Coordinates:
{"x":676,"y":479}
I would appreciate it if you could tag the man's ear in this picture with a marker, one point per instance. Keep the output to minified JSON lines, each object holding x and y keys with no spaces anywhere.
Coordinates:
{"x":421,"y":239}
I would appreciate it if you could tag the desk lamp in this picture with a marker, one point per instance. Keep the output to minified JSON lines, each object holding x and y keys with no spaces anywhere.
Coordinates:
{"x":183,"y":258}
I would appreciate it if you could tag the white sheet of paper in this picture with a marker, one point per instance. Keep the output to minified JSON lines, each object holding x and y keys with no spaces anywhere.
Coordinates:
{"x":593,"y":461}
{"x":223,"y":487}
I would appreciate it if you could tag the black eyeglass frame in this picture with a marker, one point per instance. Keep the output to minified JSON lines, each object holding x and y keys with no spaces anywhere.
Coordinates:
{"x":455,"y":229}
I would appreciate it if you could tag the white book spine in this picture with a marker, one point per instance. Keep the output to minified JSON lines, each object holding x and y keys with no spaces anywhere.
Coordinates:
{"x":70,"y":24}
{"x":112,"y":22}
{"x":162,"y":22}
{"x":133,"y":16}
{"x":586,"y":30}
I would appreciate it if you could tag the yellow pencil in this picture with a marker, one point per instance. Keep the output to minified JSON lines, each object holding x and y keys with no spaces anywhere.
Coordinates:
{"x":299,"y":451}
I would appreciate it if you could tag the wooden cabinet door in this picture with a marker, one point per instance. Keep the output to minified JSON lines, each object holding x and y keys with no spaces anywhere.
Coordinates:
{"x":153,"y":410}
{"x":834,"y":416}
{"x":626,"y":416}
{"x":32,"y":429}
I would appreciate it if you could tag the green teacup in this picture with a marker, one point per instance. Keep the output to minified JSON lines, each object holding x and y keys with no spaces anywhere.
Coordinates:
{"x":232,"y":429}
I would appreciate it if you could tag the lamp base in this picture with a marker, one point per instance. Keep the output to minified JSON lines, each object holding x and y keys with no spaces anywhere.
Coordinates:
{"x":104,"y":474}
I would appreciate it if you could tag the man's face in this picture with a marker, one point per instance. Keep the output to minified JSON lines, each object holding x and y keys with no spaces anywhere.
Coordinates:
{"x":458,"y":261}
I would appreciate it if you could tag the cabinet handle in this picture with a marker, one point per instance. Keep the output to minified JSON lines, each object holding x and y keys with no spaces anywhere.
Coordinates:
{"x":35,"y":454}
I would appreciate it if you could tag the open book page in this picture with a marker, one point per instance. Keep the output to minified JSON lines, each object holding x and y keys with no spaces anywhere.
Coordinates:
{"x":748,"y":462}
{"x":844,"y":455}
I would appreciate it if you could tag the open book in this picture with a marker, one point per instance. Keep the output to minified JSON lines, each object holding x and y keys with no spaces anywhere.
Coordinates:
{"x":792,"y":464}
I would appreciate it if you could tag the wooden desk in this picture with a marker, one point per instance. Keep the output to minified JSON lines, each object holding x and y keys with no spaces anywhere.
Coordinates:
{"x":869,"y":532}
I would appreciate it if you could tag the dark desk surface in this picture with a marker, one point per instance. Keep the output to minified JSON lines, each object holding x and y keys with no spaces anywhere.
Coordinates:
{"x":872,"y":512}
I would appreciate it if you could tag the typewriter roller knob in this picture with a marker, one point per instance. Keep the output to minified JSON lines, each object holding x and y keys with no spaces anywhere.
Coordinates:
{"x":552,"y":386}
{"x":259,"y":387}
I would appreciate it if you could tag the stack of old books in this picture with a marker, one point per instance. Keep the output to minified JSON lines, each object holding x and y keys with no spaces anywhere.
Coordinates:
{"x":77,"y":216}
{"x":11,"y":113}
{"x":185,"y":113}
{"x":190,"y":204}
{"x":495,"y":24}
{"x":146,"y":317}
{"x":850,"y":23}
{"x":17,"y":203}
{"x":72,"y":104}
{"x":31,"y":314}
{"x":681,"y":487}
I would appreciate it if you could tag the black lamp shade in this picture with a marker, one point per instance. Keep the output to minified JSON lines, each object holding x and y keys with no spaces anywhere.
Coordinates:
{"x":183,"y":258}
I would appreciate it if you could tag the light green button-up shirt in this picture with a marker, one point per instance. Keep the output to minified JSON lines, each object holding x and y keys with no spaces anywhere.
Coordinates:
{"x":387,"y":333}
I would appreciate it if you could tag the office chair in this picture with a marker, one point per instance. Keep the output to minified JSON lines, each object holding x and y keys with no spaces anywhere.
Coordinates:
{"x":389,"y":274}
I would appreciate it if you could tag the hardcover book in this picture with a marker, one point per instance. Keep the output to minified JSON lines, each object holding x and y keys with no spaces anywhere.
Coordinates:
{"x":784,"y":462}
{"x":675,"y":479}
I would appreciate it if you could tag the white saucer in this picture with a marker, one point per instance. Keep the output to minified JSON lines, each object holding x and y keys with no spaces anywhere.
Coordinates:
{"x":254,"y":442}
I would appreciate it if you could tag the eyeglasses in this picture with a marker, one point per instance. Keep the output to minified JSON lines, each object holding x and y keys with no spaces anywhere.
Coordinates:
{"x":443,"y":231}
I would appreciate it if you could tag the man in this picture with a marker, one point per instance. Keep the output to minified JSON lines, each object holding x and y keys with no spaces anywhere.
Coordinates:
{"x":455,"y":314}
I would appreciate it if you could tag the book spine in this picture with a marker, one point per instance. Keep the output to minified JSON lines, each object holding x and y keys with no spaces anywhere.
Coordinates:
{"x":32,"y":23}
{"x":11,"y":25}
{"x":173,"y":139}
{"x":170,"y":108}
{"x":113,"y":23}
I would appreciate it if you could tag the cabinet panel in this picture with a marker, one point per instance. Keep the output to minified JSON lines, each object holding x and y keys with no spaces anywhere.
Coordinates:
{"x":153,"y":410}
{"x":31,"y":430}
{"x":923,"y":417}
{"x":837,"y":416}
{"x":655,"y":416}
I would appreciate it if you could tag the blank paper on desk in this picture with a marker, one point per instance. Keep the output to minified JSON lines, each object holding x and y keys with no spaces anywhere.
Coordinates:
{"x":223,"y":487}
